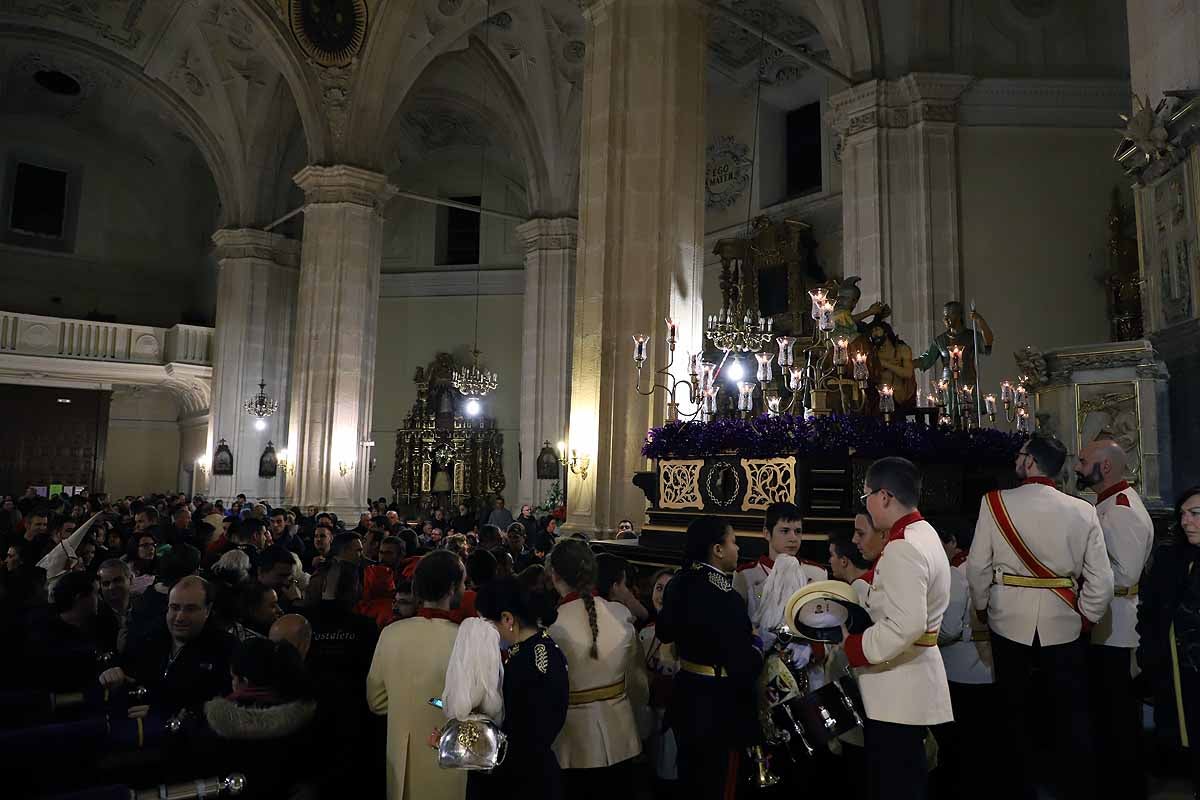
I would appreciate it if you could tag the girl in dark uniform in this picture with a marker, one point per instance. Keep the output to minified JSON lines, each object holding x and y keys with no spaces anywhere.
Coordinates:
{"x":535,"y":695}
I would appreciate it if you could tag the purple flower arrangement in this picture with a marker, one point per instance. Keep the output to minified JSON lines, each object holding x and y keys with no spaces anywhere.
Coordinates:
{"x":835,"y":436}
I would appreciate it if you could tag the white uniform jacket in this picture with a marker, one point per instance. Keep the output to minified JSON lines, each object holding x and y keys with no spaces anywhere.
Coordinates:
{"x":601,"y":732}
{"x":966,"y":651}
{"x":1129,"y":537}
{"x":749,"y":579}
{"x":1063,"y":533}
{"x":900,"y":671}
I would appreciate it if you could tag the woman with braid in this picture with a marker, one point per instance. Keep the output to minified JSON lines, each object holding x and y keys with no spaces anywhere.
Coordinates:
{"x":604,"y":664}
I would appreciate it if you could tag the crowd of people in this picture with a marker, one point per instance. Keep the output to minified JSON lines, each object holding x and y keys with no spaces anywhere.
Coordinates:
{"x":321,"y":659}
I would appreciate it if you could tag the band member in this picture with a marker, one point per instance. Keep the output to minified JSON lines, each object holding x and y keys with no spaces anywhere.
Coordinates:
{"x":782,"y":530}
{"x":900,"y":672}
{"x":600,"y":738}
{"x":870,"y":541}
{"x":846,"y":561}
{"x":1032,"y":547}
{"x":1128,"y":537}
{"x":967,"y":654}
{"x":712,"y":707}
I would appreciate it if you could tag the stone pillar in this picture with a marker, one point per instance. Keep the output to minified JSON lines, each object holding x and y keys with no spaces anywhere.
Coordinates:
{"x":333,"y":367}
{"x":256,"y":301}
{"x":900,"y":196}
{"x":642,"y":228}
{"x":546,"y":344}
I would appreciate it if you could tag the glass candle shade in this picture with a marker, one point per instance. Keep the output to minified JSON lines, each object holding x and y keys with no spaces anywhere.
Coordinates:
{"x":887,"y":400}
{"x":786,"y":345}
{"x":765,"y":373}
{"x":841,"y":351}
{"x":639,"y":348}
{"x":860,"y":366}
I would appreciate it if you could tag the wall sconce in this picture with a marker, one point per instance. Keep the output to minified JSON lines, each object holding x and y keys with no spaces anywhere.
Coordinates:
{"x":579,"y":465}
{"x":202,"y":464}
{"x":344,"y":468}
{"x":285,"y":461}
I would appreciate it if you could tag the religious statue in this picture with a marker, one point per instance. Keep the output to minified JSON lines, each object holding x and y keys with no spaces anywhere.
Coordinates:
{"x":892,"y":363}
{"x":845,"y":321}
{"x":957,"y":334}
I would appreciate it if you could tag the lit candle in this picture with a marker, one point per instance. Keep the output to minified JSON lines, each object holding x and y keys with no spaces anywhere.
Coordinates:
{"x":672,"y":331}
{"x":943,"y":392}
{"x":710,"y":398}
{"x":818,"y":300}
{"x":694,"y":364}
{"x":639,"y":348}
{"x":1022,"y":421}
{"x":1022,"y":395}
{"x":931,"y":401}
{"x":956,"y":354}
{"x":773,"y":405}
{"x":841,"y":351}
{"x":765,"y":372}
{"x":745,"y":396}
{"x":1006,"y":393}
{"x":795,"y":378}
{"x":989,"y":404}
{"x":968,"y":394}
{"x":786,"y":343}
{"x":708,"y":374}
{"x":887,"y":401}
{"x":860,"y":366}
{"x":825,"y":319}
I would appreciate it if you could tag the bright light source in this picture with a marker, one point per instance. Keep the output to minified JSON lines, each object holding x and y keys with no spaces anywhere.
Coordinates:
{"x":64,"y":400}
{"x":473,"y":407}
{"x":735,"y":372}
{"x":260,"y":424}
{"x":562,"y":449}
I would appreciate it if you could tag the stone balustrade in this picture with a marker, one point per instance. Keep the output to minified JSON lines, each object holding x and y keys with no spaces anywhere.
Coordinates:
{"x":34,"y":335}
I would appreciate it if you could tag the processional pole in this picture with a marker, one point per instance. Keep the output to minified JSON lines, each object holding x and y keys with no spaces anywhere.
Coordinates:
{"x":978,"y":369}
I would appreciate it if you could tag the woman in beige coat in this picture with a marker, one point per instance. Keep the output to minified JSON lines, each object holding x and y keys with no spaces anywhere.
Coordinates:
{"x":409,"y":668}
{"x":597,"y":745}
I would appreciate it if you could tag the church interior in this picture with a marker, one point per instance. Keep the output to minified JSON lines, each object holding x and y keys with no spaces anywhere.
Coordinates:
{"x":318,"y":253}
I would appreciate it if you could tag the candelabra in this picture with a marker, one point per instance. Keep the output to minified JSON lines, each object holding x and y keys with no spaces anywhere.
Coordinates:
{"x":472,"y":381}
{"x":670,"y":386}
{"x":1015,"y":402}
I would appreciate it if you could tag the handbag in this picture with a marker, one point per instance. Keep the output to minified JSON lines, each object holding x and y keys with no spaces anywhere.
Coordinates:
{"x":474,"y":743}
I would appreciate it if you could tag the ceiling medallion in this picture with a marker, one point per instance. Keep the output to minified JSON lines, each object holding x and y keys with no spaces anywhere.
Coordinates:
{"x":330,"y":32}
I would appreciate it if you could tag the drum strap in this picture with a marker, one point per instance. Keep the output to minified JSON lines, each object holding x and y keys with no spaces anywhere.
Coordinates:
{"x":1040,"y":571}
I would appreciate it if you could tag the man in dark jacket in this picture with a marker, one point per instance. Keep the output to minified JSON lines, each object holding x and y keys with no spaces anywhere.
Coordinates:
{"x":188,"y":664}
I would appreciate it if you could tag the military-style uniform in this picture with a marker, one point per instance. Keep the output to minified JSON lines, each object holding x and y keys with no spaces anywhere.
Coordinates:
{"x":712,"y":708}
{"x":900,"y":672}
{"x":749,"y":579}
{"x":1128,"y":537}
{"x":1038,"y":567}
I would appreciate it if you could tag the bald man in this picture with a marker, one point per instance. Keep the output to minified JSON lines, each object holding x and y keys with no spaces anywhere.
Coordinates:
{"x":1128,"y":537}
{"x":295,"y":630}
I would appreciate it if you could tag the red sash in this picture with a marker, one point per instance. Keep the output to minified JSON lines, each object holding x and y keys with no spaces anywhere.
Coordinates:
{"x":1031,"y":562}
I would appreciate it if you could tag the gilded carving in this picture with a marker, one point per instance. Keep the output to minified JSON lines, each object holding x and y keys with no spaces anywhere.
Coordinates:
{"x":769,"y":480}
{"x":1110,"y":411}
{"x":679,"y":484}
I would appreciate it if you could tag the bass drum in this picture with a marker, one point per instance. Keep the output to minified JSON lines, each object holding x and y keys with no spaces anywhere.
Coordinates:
{"x":829,"y":712}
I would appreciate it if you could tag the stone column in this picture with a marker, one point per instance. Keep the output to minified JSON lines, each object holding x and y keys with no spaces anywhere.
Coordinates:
{"x":900,"y":196}
{"x":333,"y":367}
{"x":256,"y":301}
{"x":642,"y":230}
{"x":546,"y":343}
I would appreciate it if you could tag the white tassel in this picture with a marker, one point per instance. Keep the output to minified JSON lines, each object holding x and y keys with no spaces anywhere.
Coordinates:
{"x":475,"y":675}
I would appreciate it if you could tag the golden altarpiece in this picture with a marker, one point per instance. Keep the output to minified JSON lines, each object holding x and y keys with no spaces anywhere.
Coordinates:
{"x":444,"y":456}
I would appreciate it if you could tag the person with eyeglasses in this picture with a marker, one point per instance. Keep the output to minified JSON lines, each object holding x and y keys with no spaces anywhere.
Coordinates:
{"x":1040,"y":576}
{"x":900,"y":673}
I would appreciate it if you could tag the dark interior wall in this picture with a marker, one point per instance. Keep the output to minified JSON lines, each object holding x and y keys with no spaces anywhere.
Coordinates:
{"x":45,"y":441}
{"x":1179,"y":347}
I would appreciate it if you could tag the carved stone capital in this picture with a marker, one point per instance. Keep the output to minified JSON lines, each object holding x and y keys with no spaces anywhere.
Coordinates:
{"x":911,"y":100}
{"x":239,"y":243}
{"x":341,"y":183}
{"x":549,"y":234}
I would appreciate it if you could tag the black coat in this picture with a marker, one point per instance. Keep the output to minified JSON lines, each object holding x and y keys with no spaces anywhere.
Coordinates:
{"x":707,"y":622}
{"x":535,"y":709}
{"x":274,"y":746}
{"x":198,"y":673}
{"x":1169,"y":594}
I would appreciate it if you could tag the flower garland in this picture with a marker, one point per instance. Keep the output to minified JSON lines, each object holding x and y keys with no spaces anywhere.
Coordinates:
{"x":832,"y":436}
